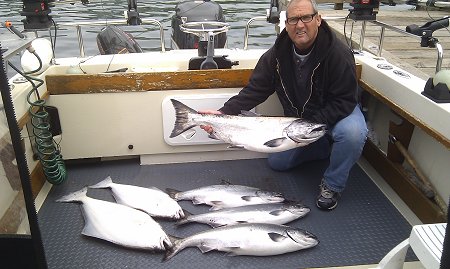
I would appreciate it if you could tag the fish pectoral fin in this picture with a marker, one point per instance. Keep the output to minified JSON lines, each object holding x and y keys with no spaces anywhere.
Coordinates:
{"x":235,"y":146}
{"x":206,"y":248}
{"x":275,"y":142}
{"x":216,"y":205}
{"x":196,"y":201}
{"x":298,"y":139}
{"x":248,"y":198}
{"x":214,"y":136}
{"x":217,"y":225}
{"x":276,"y":237}
{"x":276,"y":212}
{"x":232,"y":251}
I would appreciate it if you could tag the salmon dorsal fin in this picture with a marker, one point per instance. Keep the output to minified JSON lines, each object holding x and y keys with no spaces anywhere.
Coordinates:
{"x":225,"y":182}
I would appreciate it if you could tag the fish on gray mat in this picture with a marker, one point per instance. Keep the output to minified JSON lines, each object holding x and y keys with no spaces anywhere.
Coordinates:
{"x":152,"y":200}
{"x":254,"y":239}
{"x":224,"y":196}
{"x":251,"y":132}
{"x":119,"y":224}
{"x":274,"y":213}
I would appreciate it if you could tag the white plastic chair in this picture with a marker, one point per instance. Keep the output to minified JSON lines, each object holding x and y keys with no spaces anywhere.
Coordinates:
{"x":425,"y":240}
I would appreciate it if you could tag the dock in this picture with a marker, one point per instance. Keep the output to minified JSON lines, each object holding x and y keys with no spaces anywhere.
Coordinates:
{"x":402,"y":50}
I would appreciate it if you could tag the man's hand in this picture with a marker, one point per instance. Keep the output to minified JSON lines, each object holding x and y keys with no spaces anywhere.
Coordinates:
{"x":208,"y":128}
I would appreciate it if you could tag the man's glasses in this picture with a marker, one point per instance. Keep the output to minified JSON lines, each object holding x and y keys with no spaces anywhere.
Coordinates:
{"x":304,"y":19}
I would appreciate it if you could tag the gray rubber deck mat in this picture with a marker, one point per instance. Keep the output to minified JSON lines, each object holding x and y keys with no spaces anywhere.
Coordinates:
{"x":361,"y":230}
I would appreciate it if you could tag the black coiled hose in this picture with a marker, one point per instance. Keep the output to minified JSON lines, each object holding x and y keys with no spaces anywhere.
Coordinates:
{"x":48,"y":154}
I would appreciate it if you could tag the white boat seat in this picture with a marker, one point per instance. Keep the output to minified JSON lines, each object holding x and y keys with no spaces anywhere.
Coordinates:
{"x":425,"y":240}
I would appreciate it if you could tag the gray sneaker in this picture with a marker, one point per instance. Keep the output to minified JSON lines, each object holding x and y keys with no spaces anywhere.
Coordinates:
{"x":327,"y":199}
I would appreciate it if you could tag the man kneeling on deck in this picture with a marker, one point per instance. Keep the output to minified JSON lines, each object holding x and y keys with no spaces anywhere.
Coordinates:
{"x":313,"y":74}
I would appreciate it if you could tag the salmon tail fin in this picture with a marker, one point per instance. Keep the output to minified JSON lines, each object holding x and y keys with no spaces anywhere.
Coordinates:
{"x":169,"y":254}
{"x":182,"y":122}
{"x":181,"y":222}
{"x":106,"y":183}
{"x":172,"y":193}
{"x":176,"y":247}
{"x":77,"y":196}
{"x":185,"y":219}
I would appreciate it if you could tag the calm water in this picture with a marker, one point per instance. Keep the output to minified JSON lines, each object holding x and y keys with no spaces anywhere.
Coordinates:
{"x":237,"y":13}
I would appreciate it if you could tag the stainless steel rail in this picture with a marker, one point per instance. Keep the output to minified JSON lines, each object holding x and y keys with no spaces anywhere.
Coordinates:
{"x":247,"y":27}
{"x":78,"y":26}
{"x":383,"y":26}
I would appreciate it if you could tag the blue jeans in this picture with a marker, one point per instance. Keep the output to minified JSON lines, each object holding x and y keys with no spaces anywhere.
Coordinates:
{"x":348,"y":139}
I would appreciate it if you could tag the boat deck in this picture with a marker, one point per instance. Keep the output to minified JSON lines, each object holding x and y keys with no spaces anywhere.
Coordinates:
{"x":401,"y":50}
{"x":361,"y":230}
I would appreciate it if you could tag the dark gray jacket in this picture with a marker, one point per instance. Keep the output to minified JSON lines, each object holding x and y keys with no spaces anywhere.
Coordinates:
{"x":331,"y":92}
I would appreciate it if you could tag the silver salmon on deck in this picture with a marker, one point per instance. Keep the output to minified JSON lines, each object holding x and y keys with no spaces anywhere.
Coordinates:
{"x":254,"y":133}
{"x":274,"y":213}
{"x":254,"y":239}
{"x":224,"y":196}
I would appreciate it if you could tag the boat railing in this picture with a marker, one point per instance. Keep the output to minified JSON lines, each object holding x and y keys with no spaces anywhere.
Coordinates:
{"x":144,"y":21}
{"x":383,"y":26}
{"x":247,"y":27}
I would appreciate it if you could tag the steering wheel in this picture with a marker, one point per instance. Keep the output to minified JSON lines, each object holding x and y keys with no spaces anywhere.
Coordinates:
{"x":202,"y":28}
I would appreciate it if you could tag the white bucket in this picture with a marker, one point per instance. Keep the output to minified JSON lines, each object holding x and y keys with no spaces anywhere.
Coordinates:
{"x":43,"y":48}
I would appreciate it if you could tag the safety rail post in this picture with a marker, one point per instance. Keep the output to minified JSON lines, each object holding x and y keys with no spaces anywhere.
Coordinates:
{"x":78,"y":26}
{"x":262,"y":18}
{"x":362,"y":36}
{"x":381,"y":41}
{"x":385,"y":26}
{"x":80,"y":41}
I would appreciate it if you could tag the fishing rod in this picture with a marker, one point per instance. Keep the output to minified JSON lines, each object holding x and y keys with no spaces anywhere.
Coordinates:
{"x":8,"y":25}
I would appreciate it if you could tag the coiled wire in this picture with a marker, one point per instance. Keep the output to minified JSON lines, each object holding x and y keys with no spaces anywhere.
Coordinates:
{"x":48,"y":153}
